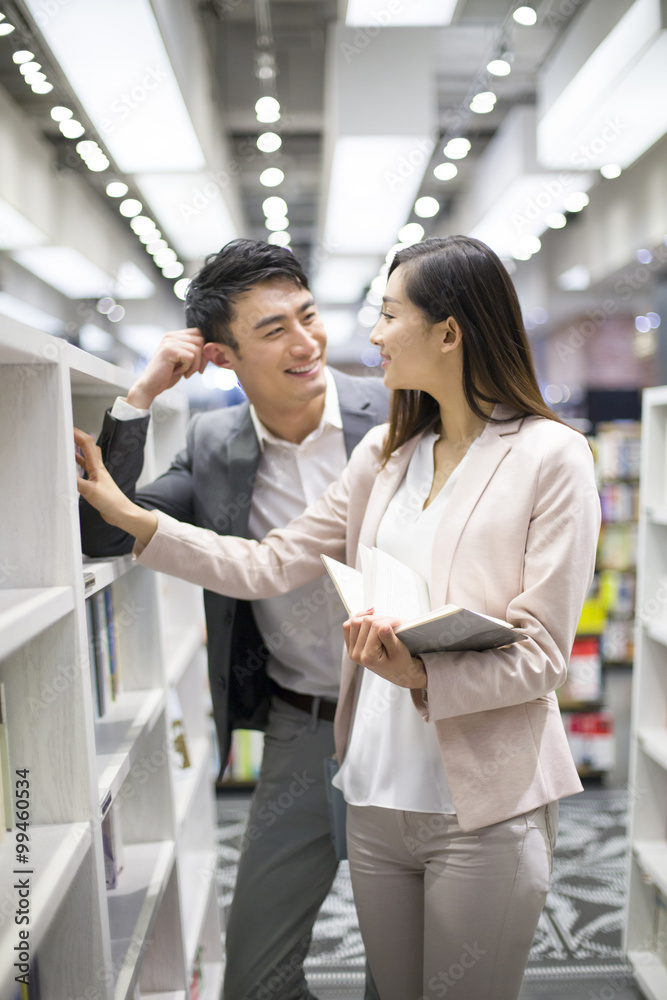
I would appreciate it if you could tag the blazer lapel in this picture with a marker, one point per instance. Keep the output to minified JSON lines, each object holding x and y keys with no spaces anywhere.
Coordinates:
{"x":233,"y":460}
{"x":386,"y":483}
{"x":490,"y":449}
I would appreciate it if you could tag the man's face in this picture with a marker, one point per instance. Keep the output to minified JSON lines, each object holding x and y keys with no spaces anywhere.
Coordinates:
{"x":282,"y":344}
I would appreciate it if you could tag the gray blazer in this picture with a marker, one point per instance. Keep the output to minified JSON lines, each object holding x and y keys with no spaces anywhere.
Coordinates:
{"x":210,"y":484}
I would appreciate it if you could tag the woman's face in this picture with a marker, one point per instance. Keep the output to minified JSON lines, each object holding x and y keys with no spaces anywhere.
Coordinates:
{"x":409,"y":344}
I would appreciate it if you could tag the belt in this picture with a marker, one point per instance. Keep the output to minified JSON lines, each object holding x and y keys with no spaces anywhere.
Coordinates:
{"x":326,"y":709}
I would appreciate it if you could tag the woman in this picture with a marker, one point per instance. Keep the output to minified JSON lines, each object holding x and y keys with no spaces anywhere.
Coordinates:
{"x":452,"y":763}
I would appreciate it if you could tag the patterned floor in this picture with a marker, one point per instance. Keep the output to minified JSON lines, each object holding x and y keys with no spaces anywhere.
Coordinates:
{"x":579,"y":934}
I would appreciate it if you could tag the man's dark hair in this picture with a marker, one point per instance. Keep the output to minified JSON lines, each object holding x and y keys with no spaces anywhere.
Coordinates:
{"x":241,"y":264}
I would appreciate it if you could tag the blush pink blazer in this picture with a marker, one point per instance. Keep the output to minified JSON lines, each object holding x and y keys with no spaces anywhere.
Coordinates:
{"x":517,"y":541}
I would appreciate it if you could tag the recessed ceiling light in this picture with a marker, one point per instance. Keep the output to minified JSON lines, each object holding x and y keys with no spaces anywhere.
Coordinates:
{"x":271,"y":177}
{"x":276,"y":223}
{"x":22,"y":56}
{"x":60,"y":114}
{"x":499,"y":67}
{"x":274,"y":206}
{"x":413,"y":232}
{"x":457,"y":149}
{"x":525,"y":15}
{"x":269,"y":142}
{"x":116,"y":189}
{"x":556,"y":220}
{"x":610,"y":171}
{"x":181,"y":287}
{"x":41,"y":87}
{"x":71,"y":129}
{"x":173,"y":270}
{"x":27,"y":68}
{"x":575,"y":201}
{"x":267,"y":110}
{"x":6,"y":29}
{"x":427,"y":207}
{"x":130,"y":207}
{"x":281,"y":239}
{"x":445,"y":171}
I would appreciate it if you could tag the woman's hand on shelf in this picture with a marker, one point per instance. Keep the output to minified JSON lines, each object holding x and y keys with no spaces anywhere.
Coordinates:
{"x":101,"y":492}
{"x":372,"y":642}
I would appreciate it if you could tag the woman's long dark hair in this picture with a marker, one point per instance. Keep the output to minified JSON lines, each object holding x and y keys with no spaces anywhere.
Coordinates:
{"x":461,"y":277}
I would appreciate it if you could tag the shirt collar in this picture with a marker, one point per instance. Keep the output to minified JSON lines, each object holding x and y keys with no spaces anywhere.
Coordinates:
{"x":331,"y":416}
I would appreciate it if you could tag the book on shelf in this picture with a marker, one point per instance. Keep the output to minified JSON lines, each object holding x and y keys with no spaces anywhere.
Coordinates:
{"x":179,"y":739}
{"x":395,"y":590}
{"x":103,"y":650}
{"x":617,"y":448}
{"x":591,"y":739}
{"x":5,"y":766}
{"x":618,"y":642}
{"x":112,"y":846}
{"x":617,"y":547}
{"x":584,"y":674}
{"x":619,"y":502}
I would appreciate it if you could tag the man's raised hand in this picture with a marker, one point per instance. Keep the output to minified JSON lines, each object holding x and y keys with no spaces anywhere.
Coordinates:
{"x":179,"y":355}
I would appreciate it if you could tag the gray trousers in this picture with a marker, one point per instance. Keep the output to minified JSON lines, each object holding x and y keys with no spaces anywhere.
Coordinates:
{"x":445,"y":913}
{"x":287,"y":863}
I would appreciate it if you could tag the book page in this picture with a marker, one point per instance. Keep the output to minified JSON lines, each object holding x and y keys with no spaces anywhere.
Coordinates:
{"x":398,"y":591}
{"x":348,"y":582}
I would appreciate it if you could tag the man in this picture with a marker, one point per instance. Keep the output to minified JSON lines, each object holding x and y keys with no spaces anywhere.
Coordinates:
{"x":273,"y":664}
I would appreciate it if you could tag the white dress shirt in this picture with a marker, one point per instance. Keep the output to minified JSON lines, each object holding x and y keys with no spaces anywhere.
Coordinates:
{"x":393,"y":758}
{"x":302,"y":629}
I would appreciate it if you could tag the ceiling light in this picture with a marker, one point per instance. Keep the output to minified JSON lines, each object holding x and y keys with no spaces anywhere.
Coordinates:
{"x":391,"y":253}
{"x":86,"y":148}
{"x":116,"y":314}
{"x":60,"y":114}
{"x":529,"y":245}
{"x":98,"y":164}
{"x":413,"y":232}
{"x":575,"y":201}
{"x":269,"y":142}
{"x":66,"y":270}
{"x":130,"y":207}
{"x":271,"y":177}
{"x":416,"y":13}
{"x":154,"y":128}
{"x":173,"y":270}
{"x":368,"y":201}
{"x":157,"y":246}
{"x":483,"y":103}
{"x":142,"y":224}
{"x":274,"y":206}
{"x":6,"y":29}
{"x":149,"y":237}
{"x":654,"y":320}
{"x":555,"y":220}
{"x":181,"y":287}
{"x":105,"y":304}
{"x":276,"y":223}
{"x":610,"y":171}
{"x":71,"y":129}
{"x":642,"y":324}
{"x":267,"y":110}
{"x":164,"y":257}
{"x":192,"y":209}
{"x":525,"y":16}
{"x":644,"y":256}
{"x":456,"y":149}
{"x":22,"y":56}
{"x":379,"y":284}
{"x":41,"y":87}
{"x":576,"y":279}
{"x":281,"y":239}
{"x":27,"y":68}
{"x":445,"y":171}
{"x":34,"y":76}
{"x":116,"y":189}
{"x":499,"y":67}
{"x":427,"y":207}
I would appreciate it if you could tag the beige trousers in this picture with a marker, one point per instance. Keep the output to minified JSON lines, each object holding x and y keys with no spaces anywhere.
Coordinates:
{"x":445,"y":913}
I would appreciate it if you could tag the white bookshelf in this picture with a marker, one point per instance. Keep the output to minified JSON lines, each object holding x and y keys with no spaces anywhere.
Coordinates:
{"x":148,"y":931}
{"x":647,"y":872}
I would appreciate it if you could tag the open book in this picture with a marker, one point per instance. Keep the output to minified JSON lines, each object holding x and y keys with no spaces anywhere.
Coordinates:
{"x":393,"y":589}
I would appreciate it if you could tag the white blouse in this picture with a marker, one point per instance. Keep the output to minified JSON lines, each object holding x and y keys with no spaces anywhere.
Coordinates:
{"x":393,"y":757}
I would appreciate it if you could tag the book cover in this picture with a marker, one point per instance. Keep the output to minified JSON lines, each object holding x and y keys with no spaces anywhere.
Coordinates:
{"x":98,"y":703}
{"x":111,"y":642}
{"x":102,"y":647}
{"x":395,"y":590}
